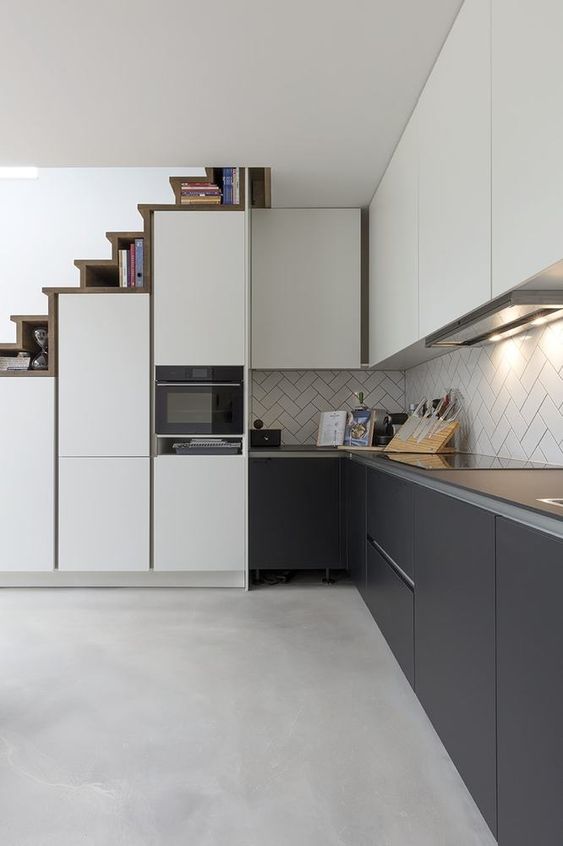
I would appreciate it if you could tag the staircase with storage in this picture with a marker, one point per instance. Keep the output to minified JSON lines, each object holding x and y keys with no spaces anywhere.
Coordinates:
{"x":69,"y":440}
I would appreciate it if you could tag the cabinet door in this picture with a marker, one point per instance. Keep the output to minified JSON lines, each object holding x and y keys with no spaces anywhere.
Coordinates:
{"x":455,"y":173}
{"x":393,"y":253}
{"x":27,"y":477}
{"x":306,"y":288}
{"x":390,"y":601}
{"x":390,"y":517}
{"x":199,"y":290}
{"x":527,"y":65}
{"x":529,"y":686}
{"x":199,"y":513}
{"x":104,"y":514}
{"x":104,"y":375}
{"x":455,"y":636}
{"x":295,"y":513}
{"x":355,"y":508}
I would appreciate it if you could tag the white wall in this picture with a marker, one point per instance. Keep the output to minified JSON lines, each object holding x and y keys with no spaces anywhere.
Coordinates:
{"x":61,"y":216}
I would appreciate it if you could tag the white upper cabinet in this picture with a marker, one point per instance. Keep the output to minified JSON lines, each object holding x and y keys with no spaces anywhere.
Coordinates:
{"x":27,"y":473}
{"x":455,"y":173}
{"x":306,"y":288}
{"x":104,"y":375}
{"x":199,"y":288}
{"x":527,"y":146}
{"x":393,"y":253}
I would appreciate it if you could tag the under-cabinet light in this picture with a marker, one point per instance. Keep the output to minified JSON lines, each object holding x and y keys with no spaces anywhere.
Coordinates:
{"x":18,"y":173}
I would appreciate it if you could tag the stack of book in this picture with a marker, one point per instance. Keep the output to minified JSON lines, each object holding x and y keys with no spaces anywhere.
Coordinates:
{"x":131,"y":265}
{"x":200,"y":193}
{"x":231,"y":186}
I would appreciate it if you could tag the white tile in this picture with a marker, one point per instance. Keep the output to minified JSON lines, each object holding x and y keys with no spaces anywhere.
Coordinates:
{"x":535,"y":432}
{"x":552,"y":418}
{"x":533,"y":369}
{"x":551,"y":449}
{"x":533,"y":401}
{"x":552,"y":382}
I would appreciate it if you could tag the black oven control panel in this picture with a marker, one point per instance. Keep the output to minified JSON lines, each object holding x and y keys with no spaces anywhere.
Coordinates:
{"x":193,"y":375}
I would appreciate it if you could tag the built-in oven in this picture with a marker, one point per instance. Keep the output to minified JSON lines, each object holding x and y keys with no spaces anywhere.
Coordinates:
{"x":199,"y":400}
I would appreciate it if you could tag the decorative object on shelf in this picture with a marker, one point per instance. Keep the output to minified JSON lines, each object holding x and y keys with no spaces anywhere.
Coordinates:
{"x":265,"y":437}
{"x":360,"y":397}
{"x":332,"y":426}
{"x":359,"y":428}
{"x":40,"y":362}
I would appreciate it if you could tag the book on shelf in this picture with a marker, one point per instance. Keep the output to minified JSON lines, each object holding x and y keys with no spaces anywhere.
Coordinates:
{"x":231,"y":186}
{"x":224,"y":191}
{"x":131,"y":265}
{"x":14,"y":362}
{"x":193,"y":193}
{"x":200,"y":201}
{"x":123,"y":254}
{"x":139,"y":262}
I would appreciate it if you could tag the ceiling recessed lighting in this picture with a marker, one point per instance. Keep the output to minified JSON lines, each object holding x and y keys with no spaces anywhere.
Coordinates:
{"x":18,"y":173}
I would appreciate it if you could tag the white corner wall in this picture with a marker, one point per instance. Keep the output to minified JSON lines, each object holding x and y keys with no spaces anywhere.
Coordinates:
{"x":61,"y":216}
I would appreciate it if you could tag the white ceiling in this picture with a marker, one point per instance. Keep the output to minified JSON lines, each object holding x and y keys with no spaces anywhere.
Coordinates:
{"x":318,"y":89}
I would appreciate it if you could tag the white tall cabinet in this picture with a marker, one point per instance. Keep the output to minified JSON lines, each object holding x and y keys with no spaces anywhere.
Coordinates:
{"x":306,"y":288}
{"x":455,"y":173}
{"x":27,"y":474}
{"x":393,"y":255}
{"x":527,"y":69}
{"x":104,"y":432}
{"x":199,"y":285}
{"x":200,"y":302}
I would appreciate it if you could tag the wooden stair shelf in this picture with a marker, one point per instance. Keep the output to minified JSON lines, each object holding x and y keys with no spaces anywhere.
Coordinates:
{"x":101,"y":276}
{"x":25,"y":342}
{"x":259,"y":183}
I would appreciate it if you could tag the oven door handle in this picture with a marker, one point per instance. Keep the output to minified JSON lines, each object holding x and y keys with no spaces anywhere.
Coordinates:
{"x":198,"y":384}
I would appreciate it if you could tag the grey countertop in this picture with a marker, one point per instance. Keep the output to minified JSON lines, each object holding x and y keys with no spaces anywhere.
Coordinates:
{"x":513,"y":493}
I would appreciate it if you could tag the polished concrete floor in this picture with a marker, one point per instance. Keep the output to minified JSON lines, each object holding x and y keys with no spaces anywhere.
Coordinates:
{"x":215,"y":718}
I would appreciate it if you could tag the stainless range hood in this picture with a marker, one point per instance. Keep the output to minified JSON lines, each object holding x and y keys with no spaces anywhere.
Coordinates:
{"x":499,"y":319}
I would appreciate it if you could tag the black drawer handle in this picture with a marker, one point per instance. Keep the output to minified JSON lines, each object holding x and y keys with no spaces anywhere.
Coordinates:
{"x":394,"y":566}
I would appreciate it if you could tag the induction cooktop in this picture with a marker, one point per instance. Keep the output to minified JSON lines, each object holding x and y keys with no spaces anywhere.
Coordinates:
{"x":464,"y":461}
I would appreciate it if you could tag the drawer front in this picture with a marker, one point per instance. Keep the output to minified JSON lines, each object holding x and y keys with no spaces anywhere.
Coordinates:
{"x":391,"y":603}
{"x":455,"y":635}
{"x":390,"y":517}
{"x":529,"y":685}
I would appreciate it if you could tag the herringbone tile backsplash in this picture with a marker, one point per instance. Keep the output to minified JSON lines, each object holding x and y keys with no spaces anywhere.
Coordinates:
{"x":292,"y":399}
{"x":512,"y":394}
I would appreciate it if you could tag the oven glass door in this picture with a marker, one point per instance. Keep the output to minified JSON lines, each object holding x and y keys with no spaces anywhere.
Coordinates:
{"x":198,"y":409}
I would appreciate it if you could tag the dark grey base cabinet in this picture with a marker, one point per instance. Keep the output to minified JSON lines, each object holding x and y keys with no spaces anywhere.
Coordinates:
{"x":295,"y":516}
{"x":390,"y":517}
{"x":354,"y":491}
{"x":529,"y":686}
{"x":454,"y":636}
{"x":390,"y":601}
